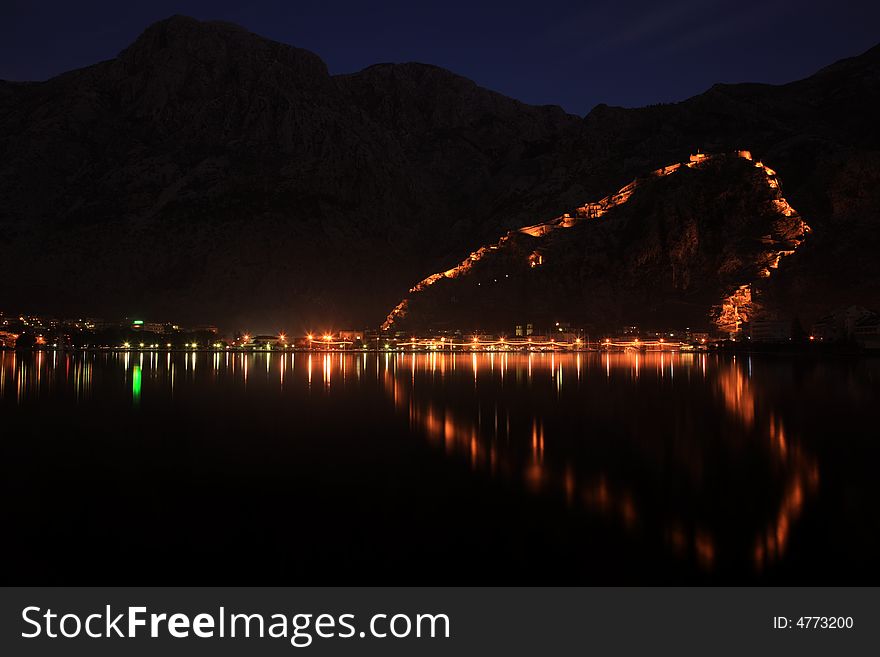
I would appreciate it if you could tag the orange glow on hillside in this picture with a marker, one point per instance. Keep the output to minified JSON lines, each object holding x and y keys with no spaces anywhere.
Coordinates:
{"x":734,"y":310}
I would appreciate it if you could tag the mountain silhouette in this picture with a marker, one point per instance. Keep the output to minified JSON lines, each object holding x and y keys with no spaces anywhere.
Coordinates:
{"x":207,"y":174}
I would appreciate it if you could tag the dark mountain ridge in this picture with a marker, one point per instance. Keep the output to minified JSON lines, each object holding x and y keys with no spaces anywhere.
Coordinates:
{"x":211,"y":175}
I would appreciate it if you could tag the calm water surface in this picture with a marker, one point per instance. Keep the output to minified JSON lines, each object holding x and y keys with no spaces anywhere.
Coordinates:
{"x":438,"y":469}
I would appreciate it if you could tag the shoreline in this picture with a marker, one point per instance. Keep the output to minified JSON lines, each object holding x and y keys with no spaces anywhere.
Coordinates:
{"x":765,"y":350}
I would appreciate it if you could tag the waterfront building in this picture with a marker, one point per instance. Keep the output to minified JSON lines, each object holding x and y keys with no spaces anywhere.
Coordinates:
{"x":770,"y":330}
{"x":867,"y":331}
{"x":839,"y":325}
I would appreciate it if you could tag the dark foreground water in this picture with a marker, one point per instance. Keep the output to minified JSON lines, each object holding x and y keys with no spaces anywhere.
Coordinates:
{"x":429,"y":469}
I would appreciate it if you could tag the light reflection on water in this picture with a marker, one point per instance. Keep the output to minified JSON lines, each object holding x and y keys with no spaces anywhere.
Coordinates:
{"x":642,"y":440}
{"x":491,"y":449}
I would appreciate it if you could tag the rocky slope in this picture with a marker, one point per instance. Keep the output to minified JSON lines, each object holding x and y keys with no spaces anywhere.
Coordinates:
{"x":211,"y":175}
{"x":662,"y":251}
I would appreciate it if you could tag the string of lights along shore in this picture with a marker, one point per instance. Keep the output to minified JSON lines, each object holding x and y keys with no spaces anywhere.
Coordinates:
{"x":41,"y":333}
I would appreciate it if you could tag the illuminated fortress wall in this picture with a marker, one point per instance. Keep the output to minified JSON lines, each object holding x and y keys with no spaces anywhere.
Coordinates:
{"x":733,"y":311}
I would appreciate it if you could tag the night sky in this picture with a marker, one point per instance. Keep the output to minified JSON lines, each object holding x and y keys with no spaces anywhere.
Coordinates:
{"x":575,"y":54}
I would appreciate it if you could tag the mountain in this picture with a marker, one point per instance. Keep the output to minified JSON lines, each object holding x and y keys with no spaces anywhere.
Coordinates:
{"x":705,"y":234}
{"x":209,"y":175}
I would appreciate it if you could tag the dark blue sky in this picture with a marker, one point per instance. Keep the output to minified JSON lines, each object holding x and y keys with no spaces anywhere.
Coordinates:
{"x":575,"y":54}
